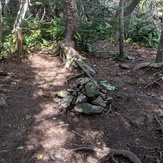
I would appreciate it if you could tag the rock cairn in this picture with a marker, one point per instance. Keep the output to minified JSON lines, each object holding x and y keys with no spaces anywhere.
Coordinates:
{"x":85,"y":96}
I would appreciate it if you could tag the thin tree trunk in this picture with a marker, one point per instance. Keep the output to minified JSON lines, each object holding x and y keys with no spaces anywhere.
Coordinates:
{"x":68,"y":45}
{"x":121,"y":30}
{"x":1,"y":22}
{"x":159,"y":57}
{"x":17,"y":25}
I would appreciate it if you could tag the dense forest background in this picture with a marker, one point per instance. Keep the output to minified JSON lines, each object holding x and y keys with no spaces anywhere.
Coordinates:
{"x":27,"y":25}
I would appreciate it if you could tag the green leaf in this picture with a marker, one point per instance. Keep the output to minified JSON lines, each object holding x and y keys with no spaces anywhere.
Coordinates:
{"x":20,"y":148}
{"x":107,"y":85}
{"x":28,"y":116}
{"x":39,"y":156}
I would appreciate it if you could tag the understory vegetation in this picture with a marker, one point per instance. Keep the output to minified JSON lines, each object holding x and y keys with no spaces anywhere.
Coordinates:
{"x":96,"y":22}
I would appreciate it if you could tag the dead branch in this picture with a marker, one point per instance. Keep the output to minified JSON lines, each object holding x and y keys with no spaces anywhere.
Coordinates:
{"x":154,"y":82}
{"x":148,"y":64}
{"x":105,"y":151}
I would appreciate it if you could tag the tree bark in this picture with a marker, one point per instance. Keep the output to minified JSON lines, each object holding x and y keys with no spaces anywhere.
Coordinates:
{"x":1,"y":22}
{"x":130,"y":6}
{"x":70,"y":10}
{"x":159,"y":57}
{"x":68,"y":45}
{"x":17,"y":25}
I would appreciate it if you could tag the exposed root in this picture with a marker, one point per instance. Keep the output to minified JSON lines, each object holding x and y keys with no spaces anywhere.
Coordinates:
{"x":148,"y":64}
{"x":106,"y":151}
{"x":73,"y":56}
{"x":83,"y":66}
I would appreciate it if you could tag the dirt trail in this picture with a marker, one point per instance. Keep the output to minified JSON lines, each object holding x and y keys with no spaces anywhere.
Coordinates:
{"x":32,"y":128}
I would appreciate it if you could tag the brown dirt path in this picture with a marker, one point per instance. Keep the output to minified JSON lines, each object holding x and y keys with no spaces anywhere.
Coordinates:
{"x":33,"y":130}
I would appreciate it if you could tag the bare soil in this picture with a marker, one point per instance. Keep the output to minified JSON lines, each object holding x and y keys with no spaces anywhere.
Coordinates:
{"x":34,"y":130}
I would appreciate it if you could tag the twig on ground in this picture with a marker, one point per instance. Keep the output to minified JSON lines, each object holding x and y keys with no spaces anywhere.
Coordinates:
{"x":154,"y":82}
{"x":102,"y":152}
{"x":130,"y":121}
{"x":77,"y":134}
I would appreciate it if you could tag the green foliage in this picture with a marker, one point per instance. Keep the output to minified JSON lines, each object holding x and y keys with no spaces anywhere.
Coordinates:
{"x":96,"y":25}
{"x":142,"y":30}
{"x":38,"y":34}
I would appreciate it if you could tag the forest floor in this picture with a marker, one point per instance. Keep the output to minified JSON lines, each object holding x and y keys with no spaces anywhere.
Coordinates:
{"x":34,"y":130}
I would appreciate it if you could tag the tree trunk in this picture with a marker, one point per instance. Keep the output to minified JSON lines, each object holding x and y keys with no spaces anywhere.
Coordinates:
{"x":68,"y":45}
{"x":17,"y":25}
{"x":159,"y":57}
{"x":1,"y":22}
{"x":130,"y":6}
{"x":70,"y":10}
{"x":121,"y":30}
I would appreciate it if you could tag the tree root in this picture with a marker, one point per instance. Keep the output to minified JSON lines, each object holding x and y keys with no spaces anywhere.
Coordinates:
{"x":148,"y":64}
{"x":105,"y":151}
{"x":86,"y":70}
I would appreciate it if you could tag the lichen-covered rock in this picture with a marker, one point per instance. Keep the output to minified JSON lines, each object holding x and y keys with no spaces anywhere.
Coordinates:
{"x":66,"y":101}
{"x":91,"y":89}
{"x":87,"y":108}
{"x":81,"y":99}
{"x":99,"y":101}
{"x":63,"y":93}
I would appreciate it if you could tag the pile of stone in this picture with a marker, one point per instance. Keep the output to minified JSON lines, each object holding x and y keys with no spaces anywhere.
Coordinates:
{"x":85,"y":96}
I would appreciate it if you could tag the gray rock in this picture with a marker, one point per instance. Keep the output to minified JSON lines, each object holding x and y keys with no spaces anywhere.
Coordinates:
{"x":88,"y":108}
{"x":104,"y":96}
{"x":66,"y":101}
{"x":91,"y":89}
{"x":83,"y":81}
{"x":99,"y":101}
{"x":124,"y":66}
{"x":81,"y":99}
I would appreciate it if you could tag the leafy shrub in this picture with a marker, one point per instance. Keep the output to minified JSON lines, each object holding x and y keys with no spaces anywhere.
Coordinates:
{"x":43,"y":33}
{"x":142,"y":30}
